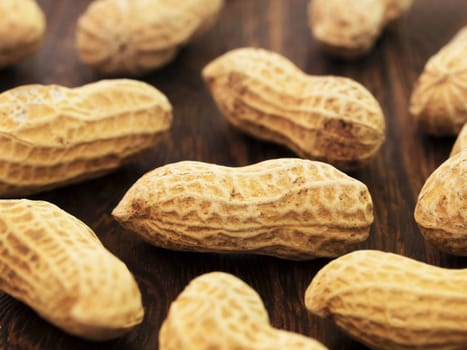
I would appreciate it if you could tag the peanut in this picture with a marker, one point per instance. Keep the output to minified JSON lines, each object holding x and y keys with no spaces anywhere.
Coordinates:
{"x":52,"y":135}
{"x":349,"y":29}
{"x":332,"y":119}
{"x":438,"y":101}
{"x":391,"y":302}
{"x":140,"y":35}
{"x":461,"y":142}
{"x":22,"y":27}
{"x":289,"y":208}
{"x":219,"y":311}
{"x":55,"y":264}
{"x":441,"y":210}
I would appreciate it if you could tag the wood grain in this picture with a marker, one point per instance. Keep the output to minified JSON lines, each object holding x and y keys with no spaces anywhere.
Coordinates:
{"x":394,"y":177}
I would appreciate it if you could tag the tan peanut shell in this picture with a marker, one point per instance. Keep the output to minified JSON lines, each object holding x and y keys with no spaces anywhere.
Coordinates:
{"x":439,"y":100}
{"x":56,"y":264}
{"x":140,"y":35}
{"x":52,"y":135}
{"x":349,"y":29}
{"x":390,"y":302}
{"x":441,"y":210}
{"x":461,"y":141}
{"x":22,"y":27}
{"x":289,"y":208}
{"x":219,"y":311}
{"x":326,"y":118}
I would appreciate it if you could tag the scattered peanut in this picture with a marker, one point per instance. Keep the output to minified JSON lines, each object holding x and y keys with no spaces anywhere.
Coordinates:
{"x":461,"y":142}
{"x":219,"y":311}
{"x":438,"y":101}
{"x":441,"y":211}
{"x":22,"y":27}
{"x":51,"y":135}
{"x":391,"y":302}
{"x":140,"y":35}
{"x":332,"y":119}
{"x":55,"y":264}
{"x":349,"y":29}
{"x":289,"y":208}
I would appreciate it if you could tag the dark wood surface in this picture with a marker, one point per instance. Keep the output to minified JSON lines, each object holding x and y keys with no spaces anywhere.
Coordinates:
{"x":394,"y":177}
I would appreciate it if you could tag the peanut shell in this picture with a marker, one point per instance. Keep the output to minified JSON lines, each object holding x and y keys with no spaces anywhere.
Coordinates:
{"x":289,"y":208}
{"x":439,"y":100}
{"x":140,"y":35}
{"x":51,"y":135}
{"x":22,"y":27}
{"x":219,"y":311}
{"x":328,"y":118}
{"x":349,"y":29}
{"x":441,"y":210}
{"x":55,"y":264}
{"x":390,"y":302}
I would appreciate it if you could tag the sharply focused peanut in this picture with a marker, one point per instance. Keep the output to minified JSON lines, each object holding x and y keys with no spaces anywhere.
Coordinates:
{"x":51,"y":135}
{"x":438,"y":101}
{"x":22,"y":27}
{"x":140,"y":35}
{"x":219,"y":311}
{"x":461,"y":142}
{"x":289,"y":208}
{"x":391,"y":302}
{"x":350,"y":28}
{"x":55,"y":264}
{"x":441,"y":211}
{"x":323,"y":118}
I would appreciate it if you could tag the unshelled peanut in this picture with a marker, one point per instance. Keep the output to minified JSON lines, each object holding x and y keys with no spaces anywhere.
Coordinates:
{"x":140,"y":35}
{"x":56,"y":264}
{"x":52,"y":135}
{"x":219,"y":311}
{"x":289,"y":208}
{"x":327,"y":118}
{"x":441,"y":210}
{"x":22,"y":27}
{"x":438,"y":101}
{"x":461,"y":142}
{"x":390,"y":302}
{"x":349,"y":29}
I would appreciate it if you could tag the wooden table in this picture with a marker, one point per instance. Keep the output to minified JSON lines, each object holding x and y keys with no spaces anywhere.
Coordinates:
{"x":394,"y":177}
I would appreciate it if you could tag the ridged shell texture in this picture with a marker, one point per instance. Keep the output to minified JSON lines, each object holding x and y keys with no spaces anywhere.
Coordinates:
{"x":54,"y":263}
{"x":441,"y":210}
{"x":391,"y":302}
{"x":290,"y":208}
{"x":52,"y":135}
{"x":219,"y":311}
{"x":327,"y":118}
{"x":439,"y":100}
